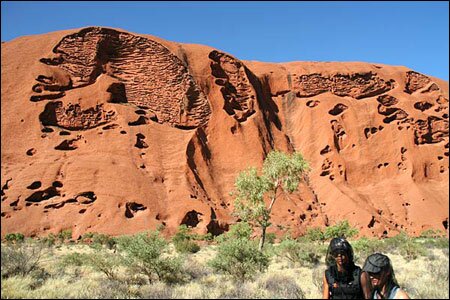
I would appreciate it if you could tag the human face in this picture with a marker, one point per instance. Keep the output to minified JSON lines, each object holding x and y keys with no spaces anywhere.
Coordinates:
{"x":340,"y":257}
{"x":377,"y":279}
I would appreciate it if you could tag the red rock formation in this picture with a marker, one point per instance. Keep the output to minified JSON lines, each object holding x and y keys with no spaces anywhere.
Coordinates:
{"x":110,"y":131}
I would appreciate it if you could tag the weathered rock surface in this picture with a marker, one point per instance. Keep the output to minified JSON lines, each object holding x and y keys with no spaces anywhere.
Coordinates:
{"x":115,"y":132}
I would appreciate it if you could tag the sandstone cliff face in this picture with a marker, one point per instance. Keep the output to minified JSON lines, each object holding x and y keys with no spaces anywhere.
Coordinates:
{"x":109,"y":131}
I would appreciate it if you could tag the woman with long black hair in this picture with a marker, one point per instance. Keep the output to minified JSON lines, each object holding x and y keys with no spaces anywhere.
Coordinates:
{"x":342,"y":278}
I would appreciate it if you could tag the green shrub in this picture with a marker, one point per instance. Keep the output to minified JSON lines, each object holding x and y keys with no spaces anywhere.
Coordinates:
{"x":432,"y":233}
{"x":301,"y":253}
{"x":96,"y":240}
{"x":100,"y":261}
{"x":364,"y":247}
{"x":407,"y":246}
{"x":187,"y":246}
{"x":411,"y":249}
{"x":49,"y":240}
{"x":73,"y":259}
{"x":145,"y":256}
{"x":239,"y":258}
{"x":183,"y":240}
{"x":14,"y":237}
{"x":20,"y":259}
{"x":240,"y":230}
{"x":271,"y":237}
{"x":341,"y":229}
{"x":434,"y":239}
{"x":105,"y":262}
{"x":65,"y":235}
{"x":315,"y":234}
{"x":440,"y":243}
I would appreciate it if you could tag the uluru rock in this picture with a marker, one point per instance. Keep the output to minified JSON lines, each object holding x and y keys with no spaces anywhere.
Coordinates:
{"x":109,"y":131}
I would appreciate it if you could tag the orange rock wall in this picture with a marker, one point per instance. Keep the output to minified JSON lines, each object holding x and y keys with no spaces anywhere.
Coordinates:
{"x":114,"y":132}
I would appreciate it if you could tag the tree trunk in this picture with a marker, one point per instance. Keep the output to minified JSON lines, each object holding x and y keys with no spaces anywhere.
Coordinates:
{"x":263,"y":228}
{"x":263,"y":238}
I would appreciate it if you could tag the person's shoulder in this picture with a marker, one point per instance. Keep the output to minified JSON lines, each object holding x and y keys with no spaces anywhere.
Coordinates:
{"x":357,"y":267}
{"x":401,"y":294}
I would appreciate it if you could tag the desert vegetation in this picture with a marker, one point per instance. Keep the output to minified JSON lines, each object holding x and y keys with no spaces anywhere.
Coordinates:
{"x":147,"y":265}
{"x":245,"y":262}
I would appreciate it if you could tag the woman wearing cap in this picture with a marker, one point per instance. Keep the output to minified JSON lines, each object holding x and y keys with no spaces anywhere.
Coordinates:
{"x":382,"y":278}
{"x":343,"y":279}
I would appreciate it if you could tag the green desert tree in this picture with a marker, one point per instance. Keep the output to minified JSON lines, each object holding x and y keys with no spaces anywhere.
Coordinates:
{"x":256,"y":194}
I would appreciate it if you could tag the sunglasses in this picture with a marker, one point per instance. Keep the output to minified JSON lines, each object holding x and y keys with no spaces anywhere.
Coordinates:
{"x":339,"y":252}
{"x":374,"y":275}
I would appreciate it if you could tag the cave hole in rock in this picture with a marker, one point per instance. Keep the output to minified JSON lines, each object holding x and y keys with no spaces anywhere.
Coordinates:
{"x":312,"y":103}
{"x":133,"y":207}
{"x":191,"y":219}
{"x":140,"y":143}
{"x":325,"y":150}
{"x":118,"y":93}
{"x":214,"y":226}
{"x":86,"y":197}
{"x":31,"y":152}
{"x":57,"y":184}
{"x":47,"y":129}
{"x":35,"y":185}
{"x":422,"y":106}
{"x":43,"y":195}
{"x":140,"y":112}
{"x":337,"y":109}
{"x":67,"y":145}
{"x":111,"y":126}
{"x":140,"y":121}
{"x":371,"y":223}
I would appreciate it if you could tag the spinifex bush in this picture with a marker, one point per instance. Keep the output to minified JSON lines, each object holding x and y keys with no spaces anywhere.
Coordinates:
{"x":145,"y":255}
{"x":183,"y":240}
{"x":239,"y":258}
